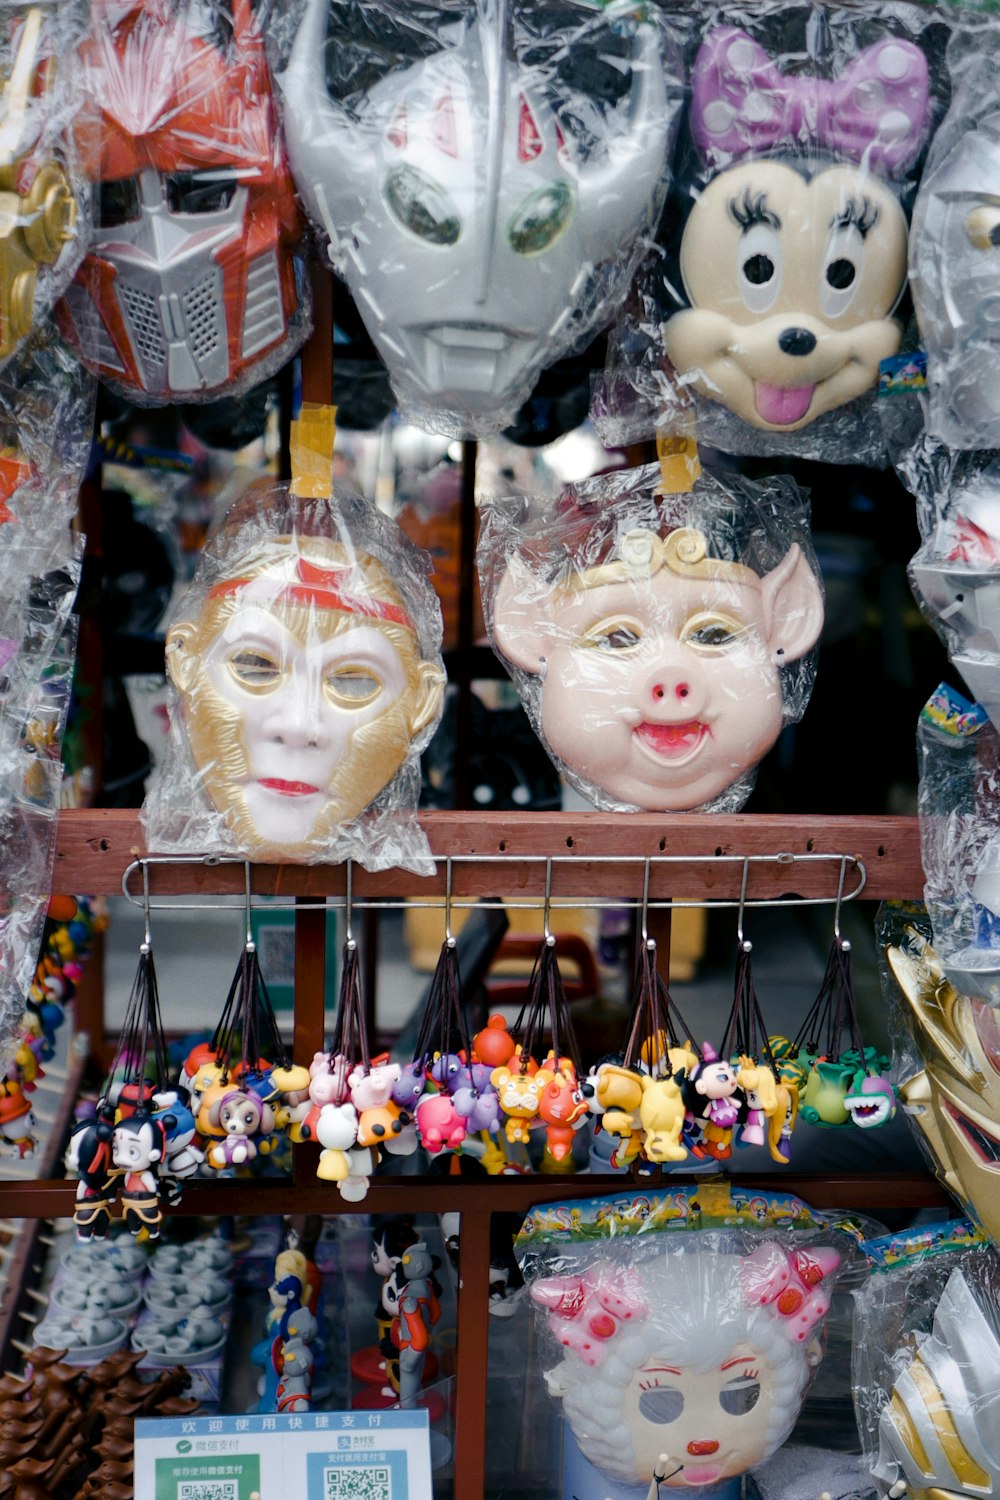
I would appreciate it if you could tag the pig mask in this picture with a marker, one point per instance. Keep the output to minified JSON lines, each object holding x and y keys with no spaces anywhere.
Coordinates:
{"x":658,"y":672}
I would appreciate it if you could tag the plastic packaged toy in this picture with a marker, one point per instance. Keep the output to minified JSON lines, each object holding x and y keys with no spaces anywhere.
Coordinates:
{"x":508,"y":166}
{"x":927,"y":1364}
{"x":954,"y":260}
{"x":306,"y":660}
{"x":686,"y":1352}
{"x":44,"y":198}
{"x":659,"y":642}
{"x":191,"y":287}
{"x":777,"y":306}
{"x":946,"y":1057}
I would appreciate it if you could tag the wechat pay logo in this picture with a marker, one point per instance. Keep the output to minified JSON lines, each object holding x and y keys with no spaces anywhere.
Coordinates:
{"x":183,"y":1446}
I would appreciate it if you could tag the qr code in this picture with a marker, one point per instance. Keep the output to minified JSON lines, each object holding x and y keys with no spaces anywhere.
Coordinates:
{"x":358,"y":1483}
{"x":208,"y":1489}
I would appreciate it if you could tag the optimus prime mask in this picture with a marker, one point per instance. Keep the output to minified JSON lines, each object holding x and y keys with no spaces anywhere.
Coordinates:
{"x":955,"y":277}
{"x":38,"y":210}
{"x":309,"y":676}
{"x":472,"y":230}
{"x":189,"y":287}
{"x":794,"y":254}
{"x":939,"y":1434}
{"x":955,"y":1100}
{"x":651,"y":669}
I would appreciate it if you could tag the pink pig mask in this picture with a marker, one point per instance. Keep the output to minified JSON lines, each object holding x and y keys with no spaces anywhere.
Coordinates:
{"x":660,"y":670}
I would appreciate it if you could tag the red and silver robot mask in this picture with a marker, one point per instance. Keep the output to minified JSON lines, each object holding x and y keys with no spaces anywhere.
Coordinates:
{"x":471,"y":228}
{"x":189,"y":283}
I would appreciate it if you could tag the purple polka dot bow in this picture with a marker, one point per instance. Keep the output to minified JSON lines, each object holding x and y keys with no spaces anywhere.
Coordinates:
{"x":876,"y":114}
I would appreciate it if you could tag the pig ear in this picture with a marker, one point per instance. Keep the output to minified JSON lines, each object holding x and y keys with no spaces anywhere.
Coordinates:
{"x":793,"y":606}
{"x":522,"y":624}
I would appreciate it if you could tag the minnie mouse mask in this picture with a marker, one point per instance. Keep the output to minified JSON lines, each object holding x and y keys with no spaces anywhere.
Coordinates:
{"x":306,"y":656}
{"x":657,"y":656}
{"x":794,"y":254}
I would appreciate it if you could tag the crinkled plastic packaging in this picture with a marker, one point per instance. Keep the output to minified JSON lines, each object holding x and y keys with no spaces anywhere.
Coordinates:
{"x":954,"y":260}
{"x":685,"y":1356}
{"x":945,"y":1051}
{"x":305,"y":659}
{"x":193,"y":285}
{"x":659,"y":642}
{"x":44,"y":198}
{"x":955,"y":575}
{"x":927,"y":1366}
{"x":485,"y":194}
{"x":763,"y":327}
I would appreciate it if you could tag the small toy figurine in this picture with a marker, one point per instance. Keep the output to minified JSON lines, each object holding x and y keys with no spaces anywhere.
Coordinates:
{"x":89,"y":1156}
{"x":471,"y":183}
{"x":871,"y":1101}
{"x":793,"y":256}
{"x":136,"y":1149}
{"x":17,"y":1122}
{"x":419,"y":1310}
{"x":712,"y":1093}
{"x":782,"y":1121}
{"x":520,"y":1098}
{"x":760,"y":1098}
{"x":242,"y":1116}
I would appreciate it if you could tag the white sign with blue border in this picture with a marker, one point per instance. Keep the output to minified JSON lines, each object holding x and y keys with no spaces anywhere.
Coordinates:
{"x":323,"y":1455}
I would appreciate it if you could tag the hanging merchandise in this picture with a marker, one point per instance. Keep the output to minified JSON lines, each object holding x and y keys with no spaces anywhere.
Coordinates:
{"x":954,"y":573}
{"x":959,"y":806}
{"x":548,"y":1095}
{"x":927,"y":1364}
{"x":659,"y":642}
{"x":804,"y":131}
{"x":947,"y":1060}
{"x":193,"y":285}
{"x":44,"y":196}
{"x":953,"y":263}
{"x":306,"y":659}
{"x":688,"y":1333}
{"x":507,"y":164}
{"x":638,"y":1095}
{"x":843,"y":1081}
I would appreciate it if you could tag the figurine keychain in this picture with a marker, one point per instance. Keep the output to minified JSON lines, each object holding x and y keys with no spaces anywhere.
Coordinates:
{"x":837,"y":1085}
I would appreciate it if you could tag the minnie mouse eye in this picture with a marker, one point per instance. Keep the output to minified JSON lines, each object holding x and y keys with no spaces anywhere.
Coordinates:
{"x":758,"y":270}
{"x":840,"y":274}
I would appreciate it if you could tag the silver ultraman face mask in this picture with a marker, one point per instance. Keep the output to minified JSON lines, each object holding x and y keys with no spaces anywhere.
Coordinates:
{"x":955,"y":281}
{"x":464,"y":220}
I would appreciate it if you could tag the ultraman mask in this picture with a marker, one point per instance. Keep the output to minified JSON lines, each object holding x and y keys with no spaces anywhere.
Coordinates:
{"x":659,"y":672}
{"x":940,"y":1430}
{"x":38,"y":212}
{"x":955,"y":282}
{"x":955,"y":1100}
{"x":190,"y":280}
{"x":302,"y":688}
{"x":794,"y":254}
{"x":456,"y":179}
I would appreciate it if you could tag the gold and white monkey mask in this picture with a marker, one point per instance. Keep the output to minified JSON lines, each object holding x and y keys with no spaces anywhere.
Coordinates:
{"x":304,"y":689}
{"x":955,"y":1099}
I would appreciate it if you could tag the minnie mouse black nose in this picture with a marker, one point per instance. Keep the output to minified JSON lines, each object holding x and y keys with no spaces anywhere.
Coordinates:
{"x":796,"y":341}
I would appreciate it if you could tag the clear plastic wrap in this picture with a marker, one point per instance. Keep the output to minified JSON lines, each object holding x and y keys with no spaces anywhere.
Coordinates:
{"x":762,"y":324}
{"x":44,"y":196}
{"x":305,"y":658}
{"x":959,"y":806}
{"x":955,"y":575}
{"x":484,"y":176}
{"x":193,"y":285}
{"x":954,"y":260}
{"x":946,"y":1051}
{"x":686,"y":1351}
{"x":659,"y":642}
{"x":927,"y":1364}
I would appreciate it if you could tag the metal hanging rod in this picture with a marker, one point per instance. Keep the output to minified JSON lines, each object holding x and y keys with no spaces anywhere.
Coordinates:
{"x":448,"y":902}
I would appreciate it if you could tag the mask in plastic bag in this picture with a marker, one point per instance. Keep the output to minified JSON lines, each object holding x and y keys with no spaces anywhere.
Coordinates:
{"x":480,"y":233}
{"x":39,"y":208}
{"x":954,"y":1100}
{"x":191,"y":286}
{"x":955,"y":268}
{"x":306,"y":655}
{"x":659,"y":644}
{"x":690,"y":1364}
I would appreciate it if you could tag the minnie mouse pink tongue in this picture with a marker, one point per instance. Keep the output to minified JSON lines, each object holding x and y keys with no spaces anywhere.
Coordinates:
{"x":781,"y":405}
